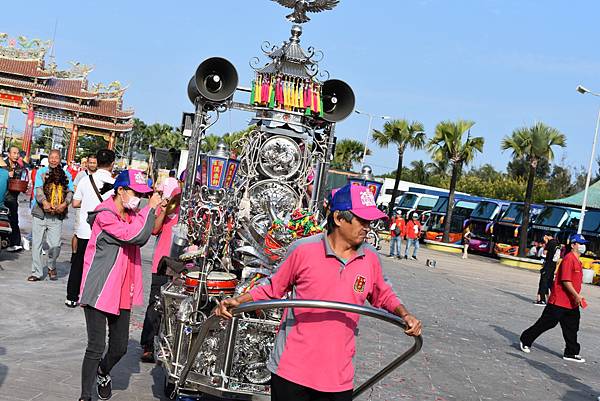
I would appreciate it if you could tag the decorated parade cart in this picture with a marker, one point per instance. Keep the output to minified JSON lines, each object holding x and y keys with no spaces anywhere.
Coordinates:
{"x":240,"y":212}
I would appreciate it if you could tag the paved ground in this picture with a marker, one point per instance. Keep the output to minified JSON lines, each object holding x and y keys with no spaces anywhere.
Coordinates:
{"x":472,"y":312}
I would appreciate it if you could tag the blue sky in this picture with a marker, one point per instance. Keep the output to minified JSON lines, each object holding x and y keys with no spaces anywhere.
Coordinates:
{"x":500,"y":63}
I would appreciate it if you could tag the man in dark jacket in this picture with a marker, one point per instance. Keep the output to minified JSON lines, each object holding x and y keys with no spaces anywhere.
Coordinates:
{"x":547,"y":270}
{"x":15,"y":172}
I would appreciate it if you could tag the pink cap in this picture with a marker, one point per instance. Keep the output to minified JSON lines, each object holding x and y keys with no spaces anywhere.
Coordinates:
{"x":134,"y":179}
{"x":359,"y":200}
{"x":170,"y":187}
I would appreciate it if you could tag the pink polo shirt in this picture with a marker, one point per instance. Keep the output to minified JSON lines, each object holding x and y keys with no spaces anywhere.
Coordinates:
{"x":314,"y":347}
{"x":163,"y":242}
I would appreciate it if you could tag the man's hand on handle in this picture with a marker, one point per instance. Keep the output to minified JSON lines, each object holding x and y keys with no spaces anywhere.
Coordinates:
{"x":224,"y":307}
{"x":413,"y":326}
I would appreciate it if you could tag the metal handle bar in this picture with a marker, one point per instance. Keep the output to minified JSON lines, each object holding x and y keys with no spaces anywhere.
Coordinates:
{"x":345,"y":307}
{"x":315,"y":304}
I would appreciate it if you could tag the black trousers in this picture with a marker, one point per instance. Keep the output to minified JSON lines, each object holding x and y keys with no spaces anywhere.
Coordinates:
{"x":551,"y":316}
{"x":11,"y":202}
{"x":76,"y":270}
{"x":118,"y":337}
{"x":285,"y":390}
{"x":153,"y":316}
{"x":546,"y":279}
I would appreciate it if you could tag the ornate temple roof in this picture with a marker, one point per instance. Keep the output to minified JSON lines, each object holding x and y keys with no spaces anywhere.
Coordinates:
{"x":26,"y":68}
{"x":23,"y":69}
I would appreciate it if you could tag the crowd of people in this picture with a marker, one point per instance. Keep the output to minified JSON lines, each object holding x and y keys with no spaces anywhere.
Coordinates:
{"x":115,"y":215}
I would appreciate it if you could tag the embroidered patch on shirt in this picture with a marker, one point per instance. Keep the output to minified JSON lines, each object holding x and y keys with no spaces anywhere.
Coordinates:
{"x":359,"y":284}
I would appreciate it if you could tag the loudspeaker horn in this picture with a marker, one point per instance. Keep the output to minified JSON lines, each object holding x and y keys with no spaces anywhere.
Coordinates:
{"x":216,"y":80}
{"x":338,"y":100}
{"x":192,"y":90}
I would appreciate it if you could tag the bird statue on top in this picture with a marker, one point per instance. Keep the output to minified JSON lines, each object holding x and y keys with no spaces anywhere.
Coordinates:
{"x":301,"y":7}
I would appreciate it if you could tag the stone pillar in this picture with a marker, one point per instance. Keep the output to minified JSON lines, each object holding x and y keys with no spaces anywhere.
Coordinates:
{"x":73,"y":144}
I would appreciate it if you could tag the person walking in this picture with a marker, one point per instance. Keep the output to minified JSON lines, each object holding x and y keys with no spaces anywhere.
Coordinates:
{"x":563,"y":304}
{"x":84,"y":172}
{"x":548,"y":268}
{"x":312,"y":357}
{"x":92,"y":190}
{"x":112,"y":277}
{"x":413,"y":233}
{"x":52,"y":198}
{"x":397,"y":231}
{"x":466,"y":238}
{"x":167,"y":215}
{"x":16,"y":171}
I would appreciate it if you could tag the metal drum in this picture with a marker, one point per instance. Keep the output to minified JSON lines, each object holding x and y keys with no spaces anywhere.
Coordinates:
{"x":192,"y":281}
{"x":221,"y":283}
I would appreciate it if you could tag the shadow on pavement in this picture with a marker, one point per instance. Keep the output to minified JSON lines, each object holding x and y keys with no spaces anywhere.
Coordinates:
{"x":128,"y":365}
{"x":580,"y":391}
{"x":519,"y":296}
{"x":514,"y":340}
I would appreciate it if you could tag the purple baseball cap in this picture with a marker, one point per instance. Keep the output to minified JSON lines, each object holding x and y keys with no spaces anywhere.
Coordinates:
{"x":134,"y":179}
{"x":359,"y":200}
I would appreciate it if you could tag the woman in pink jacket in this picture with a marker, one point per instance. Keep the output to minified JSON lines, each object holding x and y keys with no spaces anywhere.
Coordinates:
{"x":112,"y":276}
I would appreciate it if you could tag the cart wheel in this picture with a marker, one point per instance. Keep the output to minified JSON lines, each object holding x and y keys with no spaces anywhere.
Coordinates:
{"x":169,"y":388}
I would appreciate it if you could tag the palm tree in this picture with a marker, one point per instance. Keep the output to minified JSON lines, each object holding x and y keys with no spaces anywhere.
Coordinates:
{"x":348,"y":152}
{"x":403,"y":134}
{"x":532,"y":144}
{"x":420,"y":171}
{"x":437,"y":167}
{"x":447,"y":145}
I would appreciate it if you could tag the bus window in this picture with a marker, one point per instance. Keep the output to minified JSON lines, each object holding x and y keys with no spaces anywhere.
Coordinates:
{"x":426,"y":203}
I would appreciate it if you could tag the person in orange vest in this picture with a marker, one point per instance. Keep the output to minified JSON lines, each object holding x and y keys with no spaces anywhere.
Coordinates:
{"x":413,"y":233}
{"x":397,"y":228}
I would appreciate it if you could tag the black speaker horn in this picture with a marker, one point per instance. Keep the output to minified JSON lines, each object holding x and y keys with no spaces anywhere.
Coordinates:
{"x":338,"y":100}
{"x":192,"y":90}
{"x":216,"y":80}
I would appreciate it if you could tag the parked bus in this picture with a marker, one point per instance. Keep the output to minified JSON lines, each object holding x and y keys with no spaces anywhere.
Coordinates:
{"x":559,"y":220}
{"x":506,"y":230}
{"x":418,"y":200}
{"x":463,"y":207}
{"x":481,"y":221}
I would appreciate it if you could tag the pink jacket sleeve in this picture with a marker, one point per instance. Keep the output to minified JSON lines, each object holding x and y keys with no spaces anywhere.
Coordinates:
{"x":382,"y":295}
{"x":279,"y":283}
{"x":136,"y":232}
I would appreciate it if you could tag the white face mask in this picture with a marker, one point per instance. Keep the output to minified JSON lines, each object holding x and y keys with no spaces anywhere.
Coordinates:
{"x":581,"y":248}
{"x":132,"y":203}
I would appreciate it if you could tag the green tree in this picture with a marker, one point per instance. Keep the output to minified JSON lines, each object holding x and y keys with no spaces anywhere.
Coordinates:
{"x":519,"y":167}
{"x":532,"y":144}
{"x":447,"y":144}
{"x":419,"y":172}
{"x":402,"y":134}
{"x":209,"y":143}
{"x":42,"y":140}
{"x":348,"y":152}
{"x":89,"y":145}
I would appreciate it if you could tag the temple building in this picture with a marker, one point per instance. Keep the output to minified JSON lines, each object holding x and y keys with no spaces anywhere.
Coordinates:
{"x":59,"y":98}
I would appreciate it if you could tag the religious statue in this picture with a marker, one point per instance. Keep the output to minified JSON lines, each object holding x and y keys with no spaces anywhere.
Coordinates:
{"x":301,"y":7}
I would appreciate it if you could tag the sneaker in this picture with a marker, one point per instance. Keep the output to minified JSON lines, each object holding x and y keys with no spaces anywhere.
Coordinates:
{"x":524,"y":348}
{"x":70,"y":304}
{"x":14,"y":248}
{"x":574,"y":358}
{"x":104,"y":386}
{"x":405,"y":257}
{"x":391,"y":256}
{"x":540,"y":303}
{"x":413,"y":258}
{"x":26,"y":244}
